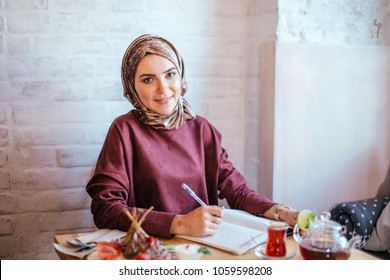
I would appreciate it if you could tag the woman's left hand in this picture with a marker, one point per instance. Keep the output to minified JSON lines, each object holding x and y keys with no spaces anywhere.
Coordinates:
{"x":290,"y":216}
{"x":287,"y":215}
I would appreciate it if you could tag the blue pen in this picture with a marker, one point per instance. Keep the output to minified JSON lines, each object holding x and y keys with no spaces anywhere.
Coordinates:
{"x":191,"y":193}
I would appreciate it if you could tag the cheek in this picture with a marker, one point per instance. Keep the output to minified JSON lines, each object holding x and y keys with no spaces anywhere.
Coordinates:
{"x":177,"y":87}
{"x":143,"y":92}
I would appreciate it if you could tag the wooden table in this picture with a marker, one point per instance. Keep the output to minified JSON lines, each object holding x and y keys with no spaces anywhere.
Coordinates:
{"x":216,"y":253}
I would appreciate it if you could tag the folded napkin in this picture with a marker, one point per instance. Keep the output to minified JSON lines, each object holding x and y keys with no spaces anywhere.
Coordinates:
{"x":101,"y":235}
{"x":96,"y":236}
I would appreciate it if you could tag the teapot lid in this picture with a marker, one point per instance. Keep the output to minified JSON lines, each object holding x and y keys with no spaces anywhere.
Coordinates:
{"x":325,"y":226}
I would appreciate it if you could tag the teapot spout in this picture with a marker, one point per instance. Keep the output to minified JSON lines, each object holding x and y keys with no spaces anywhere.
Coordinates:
{"x":354,"y":242}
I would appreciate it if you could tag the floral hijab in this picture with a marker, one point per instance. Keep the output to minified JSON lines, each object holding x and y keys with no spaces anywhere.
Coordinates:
{"x":138,"y":49}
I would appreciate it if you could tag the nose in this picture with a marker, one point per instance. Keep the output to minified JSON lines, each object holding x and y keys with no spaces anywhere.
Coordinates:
{"x":162,"y":86}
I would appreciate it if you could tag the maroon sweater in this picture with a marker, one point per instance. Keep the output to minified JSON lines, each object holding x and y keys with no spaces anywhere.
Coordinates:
{"x":141,"y":167}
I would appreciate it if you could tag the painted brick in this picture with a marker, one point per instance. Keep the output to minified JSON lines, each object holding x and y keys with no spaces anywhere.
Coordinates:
{"x":26,"y":4}
{"x":67,"y":134}
{"x":203,"y":7}
{"x":3,"y":158}
{"x":89,"y":89}
{"x":31,"y":90}
{"x":31,"y":23}
{"x":203,"y":47}
{"x":94,"y":23}
{"x":35,"y":156}
{"x":226,"y":27}
{"x":27,"y":67}
{"x":74,"y":6}
{"x":131,"y":6}
{"x":19,"y":45}
{"x":1,"y":23}
{"x":3,"y":136}
{"x":40,"y":179}
{"x":7,"y":248}
{"x":8,"y":204}
{"x":3,"y":113}
{"x":6,"y":226}
{"x":1,"y":44}
{"x":3,"y":93}
{"x":2,"y":74}
{"x":77,"y":156}
{"x":59,"y":112}
{"x":52,"y":200}
{"x":56,"y":67}
{"x":317,"y":22}
{"x":28,"y":246}
{"x":53,"y":44}
{"x":65,"y":220}
{"x":5,"y":181}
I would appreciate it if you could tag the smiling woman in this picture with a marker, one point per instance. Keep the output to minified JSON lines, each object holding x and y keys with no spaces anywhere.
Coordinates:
{"x":152,"y":150}
{"x":152,"y":71}
{"x":158,"y":84}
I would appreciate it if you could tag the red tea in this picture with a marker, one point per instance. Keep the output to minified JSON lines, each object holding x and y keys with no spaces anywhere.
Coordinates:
{"x":309,"y":252}
{"x":276,"y":245}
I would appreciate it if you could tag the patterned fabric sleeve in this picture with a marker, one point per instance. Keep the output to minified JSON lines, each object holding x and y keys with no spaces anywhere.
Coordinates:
{"x":359,"y":217}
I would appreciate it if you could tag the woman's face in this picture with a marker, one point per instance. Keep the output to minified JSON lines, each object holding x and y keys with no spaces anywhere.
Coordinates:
{"x":158,"y":84}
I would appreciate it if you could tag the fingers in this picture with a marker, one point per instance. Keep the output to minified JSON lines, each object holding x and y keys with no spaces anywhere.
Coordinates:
{"x":215,"y":210}
{"x":211,"y":217}
{"x":291,"y":217}
{"x":213,"y":224}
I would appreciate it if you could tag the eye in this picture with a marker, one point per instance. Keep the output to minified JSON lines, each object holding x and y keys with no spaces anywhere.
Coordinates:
{"x":147,"y":80}
{"x":171,"y":74}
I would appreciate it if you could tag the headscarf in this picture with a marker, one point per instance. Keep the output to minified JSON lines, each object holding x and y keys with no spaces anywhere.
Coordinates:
{"x":138,"y":49}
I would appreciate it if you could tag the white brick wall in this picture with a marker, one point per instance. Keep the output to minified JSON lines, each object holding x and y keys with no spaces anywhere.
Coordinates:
{"x":351,"y":22}
{"x":60,"y":89}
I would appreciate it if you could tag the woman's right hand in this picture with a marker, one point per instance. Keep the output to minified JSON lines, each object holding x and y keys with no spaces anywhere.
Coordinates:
{"x":202,"y":221}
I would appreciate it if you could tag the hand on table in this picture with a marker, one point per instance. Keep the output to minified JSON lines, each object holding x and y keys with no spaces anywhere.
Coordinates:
{"x":202,"y":221}
{"x":290,"y":216}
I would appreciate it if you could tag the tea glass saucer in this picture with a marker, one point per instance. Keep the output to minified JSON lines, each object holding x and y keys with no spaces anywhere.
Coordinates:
{"x":260,"y":253}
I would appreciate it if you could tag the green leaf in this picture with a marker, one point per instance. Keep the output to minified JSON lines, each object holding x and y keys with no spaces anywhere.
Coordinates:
{"x":204,"y":250}
{"x":170,"y":248}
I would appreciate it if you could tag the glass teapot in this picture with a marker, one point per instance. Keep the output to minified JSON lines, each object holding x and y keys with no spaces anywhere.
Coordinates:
{"x":324,"y":240}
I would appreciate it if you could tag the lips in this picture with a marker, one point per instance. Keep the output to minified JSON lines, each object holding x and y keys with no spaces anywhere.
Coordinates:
{"x":163,"y":100}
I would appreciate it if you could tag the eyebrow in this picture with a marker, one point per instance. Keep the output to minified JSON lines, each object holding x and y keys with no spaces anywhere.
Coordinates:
{"x":151,"y":75}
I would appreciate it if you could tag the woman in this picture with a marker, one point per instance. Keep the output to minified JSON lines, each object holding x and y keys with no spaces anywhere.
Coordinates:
{"x":150,"y":151}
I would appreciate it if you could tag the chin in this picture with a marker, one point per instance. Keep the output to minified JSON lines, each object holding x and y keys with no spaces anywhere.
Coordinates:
{"x":165,"y":111}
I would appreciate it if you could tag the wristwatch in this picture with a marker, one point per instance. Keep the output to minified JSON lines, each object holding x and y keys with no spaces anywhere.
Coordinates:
{"x":278,"y":208}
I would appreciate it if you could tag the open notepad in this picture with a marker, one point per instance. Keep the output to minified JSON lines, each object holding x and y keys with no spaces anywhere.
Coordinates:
{"x":238,"y":232}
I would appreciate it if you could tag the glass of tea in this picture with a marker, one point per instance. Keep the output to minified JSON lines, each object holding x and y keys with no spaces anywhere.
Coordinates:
{"x":276,"y":245}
